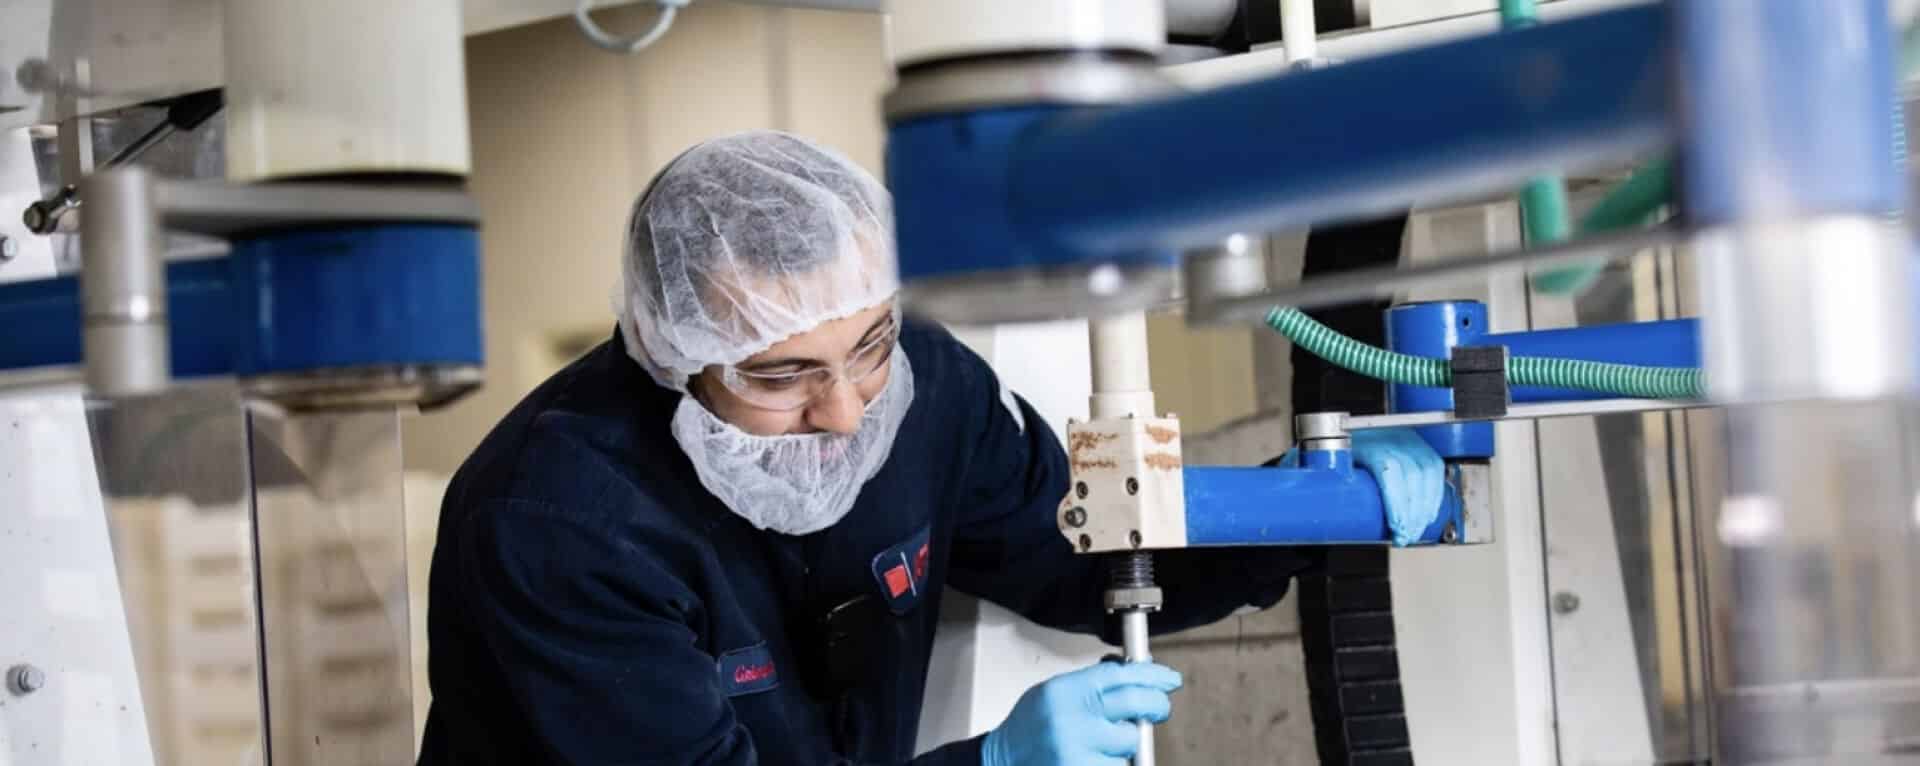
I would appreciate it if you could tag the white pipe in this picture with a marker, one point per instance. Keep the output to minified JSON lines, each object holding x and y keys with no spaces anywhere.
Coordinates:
{"x":1122,"y":383}
{"x":1297,"y":31}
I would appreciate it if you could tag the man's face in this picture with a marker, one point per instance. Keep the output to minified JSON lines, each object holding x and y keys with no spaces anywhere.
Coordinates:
{"x":831,"y":346}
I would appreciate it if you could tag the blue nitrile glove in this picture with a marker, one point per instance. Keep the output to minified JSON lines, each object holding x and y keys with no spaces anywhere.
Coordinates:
{"x":1412,"y":477}
{"x":1084,"y":717}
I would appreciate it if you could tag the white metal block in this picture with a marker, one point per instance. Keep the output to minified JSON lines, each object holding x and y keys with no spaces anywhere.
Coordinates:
{"x":1128,"y":490}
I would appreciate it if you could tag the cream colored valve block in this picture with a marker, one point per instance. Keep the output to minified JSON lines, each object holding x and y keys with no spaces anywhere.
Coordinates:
{"x":1128,"y":491}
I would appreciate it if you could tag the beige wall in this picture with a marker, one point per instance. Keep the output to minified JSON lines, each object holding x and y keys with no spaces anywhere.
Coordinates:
{"x":566,"y":135}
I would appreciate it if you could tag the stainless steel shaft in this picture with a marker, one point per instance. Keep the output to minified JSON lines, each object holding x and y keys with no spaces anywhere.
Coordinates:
{"x":1133,"y":637}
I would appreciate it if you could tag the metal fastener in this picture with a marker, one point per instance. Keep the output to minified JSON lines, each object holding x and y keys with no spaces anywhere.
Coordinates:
{"x":1086,"y":542}
{"x":1133,"y":486}
{"x":1143,"y":599}
{"x":1081,"y":490}
{"x":25,"y":679}
{"x":1076,"y":517}
{"x":1134,"y":538}
{"x":1450,"y":535}
{"x":1565,"y":602}
{"x":9,"y":248}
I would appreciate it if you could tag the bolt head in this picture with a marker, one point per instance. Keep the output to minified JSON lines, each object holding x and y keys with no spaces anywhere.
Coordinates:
{"x":1076,"y":517}
{"x":1133,"y":486}
{"x":34,"y":217}
{"x":9,"y":248}
{"x":1449,"y":535}
{"x":1565,"y":602}
{"x":25,"y":679}
{"x":1086,"y":542}
{"x":1080,"y":489}
{"x":1134,"y":538}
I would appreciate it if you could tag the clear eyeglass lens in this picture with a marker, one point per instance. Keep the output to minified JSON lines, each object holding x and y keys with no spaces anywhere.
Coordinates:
{"x":791,"y":392}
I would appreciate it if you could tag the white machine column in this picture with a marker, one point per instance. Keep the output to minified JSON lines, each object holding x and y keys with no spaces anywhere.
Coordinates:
{"x":1121,"y":384}
{"x":1123,"y":388}
{"x":345,"y":87}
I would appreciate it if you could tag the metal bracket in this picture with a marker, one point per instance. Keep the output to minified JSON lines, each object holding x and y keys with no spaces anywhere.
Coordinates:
{"x":1480,"y":382}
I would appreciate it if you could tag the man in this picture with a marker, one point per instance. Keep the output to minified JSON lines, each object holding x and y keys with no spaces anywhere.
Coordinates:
{"x":722,"y":536}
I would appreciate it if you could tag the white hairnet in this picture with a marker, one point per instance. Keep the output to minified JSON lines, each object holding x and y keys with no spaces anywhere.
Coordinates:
{"x":744,"y":241}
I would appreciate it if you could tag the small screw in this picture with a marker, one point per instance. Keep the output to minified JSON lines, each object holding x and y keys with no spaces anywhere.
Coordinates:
{"x":25,"y":679}
{"x":1134,"y":537}
{"x":1449,"y":535}
{"x":35,"y":75}
{"x":1133,"y":486}
{"x":1076,"y":517}
{"x":9,"y":249}
{"x":1081,"y":490}
{"x":1086,"y":542}
{"x":1566,"y":602}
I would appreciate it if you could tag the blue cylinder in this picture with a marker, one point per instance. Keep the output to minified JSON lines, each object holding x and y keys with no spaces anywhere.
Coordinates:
{"x":1788,"y":109}
{"x":357,"y":297}
{"x":1432,"y":330}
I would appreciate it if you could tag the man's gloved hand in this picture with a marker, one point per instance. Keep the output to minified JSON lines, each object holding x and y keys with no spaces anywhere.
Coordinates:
{"x":1412,"y":477}
{"x":1084,"y":717}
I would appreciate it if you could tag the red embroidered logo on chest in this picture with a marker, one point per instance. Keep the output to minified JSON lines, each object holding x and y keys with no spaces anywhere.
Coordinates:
{"x":902,"y":571}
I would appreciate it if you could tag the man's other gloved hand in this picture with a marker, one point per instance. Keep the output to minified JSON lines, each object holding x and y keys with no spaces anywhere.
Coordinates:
{"x":1084,"y":717}
{"x":1412,"y":477}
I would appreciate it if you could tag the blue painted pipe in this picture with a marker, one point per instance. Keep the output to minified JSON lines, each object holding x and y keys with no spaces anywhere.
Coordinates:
{"x":1035,"y":187}
{"x":1788,"y":109}
{"x":1334,"y":143}
{"x":1326,"y":501}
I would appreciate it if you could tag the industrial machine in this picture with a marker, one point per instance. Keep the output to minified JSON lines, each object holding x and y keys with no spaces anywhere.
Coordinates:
{"x":237,"y":348}
{"x":1042,"y":167}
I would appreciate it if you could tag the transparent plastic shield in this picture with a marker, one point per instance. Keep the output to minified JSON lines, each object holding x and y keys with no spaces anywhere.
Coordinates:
{"x":194,"y":581}
{"x":333,"y":579}
{"x":1812,"y":566}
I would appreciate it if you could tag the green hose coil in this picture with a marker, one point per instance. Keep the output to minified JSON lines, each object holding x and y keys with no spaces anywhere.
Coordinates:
{"x":1406,"y":369}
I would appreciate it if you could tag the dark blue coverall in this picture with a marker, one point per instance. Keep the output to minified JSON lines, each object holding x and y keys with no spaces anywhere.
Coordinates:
{"x":592,"y":603}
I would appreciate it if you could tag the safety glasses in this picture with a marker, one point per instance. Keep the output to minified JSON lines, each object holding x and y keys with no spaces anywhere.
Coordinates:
{"x":787,"y":391}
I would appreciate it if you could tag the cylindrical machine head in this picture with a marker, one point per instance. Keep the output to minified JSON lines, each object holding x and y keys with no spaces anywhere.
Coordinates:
{"x":922,"y":31}
{"x":345,"y":87}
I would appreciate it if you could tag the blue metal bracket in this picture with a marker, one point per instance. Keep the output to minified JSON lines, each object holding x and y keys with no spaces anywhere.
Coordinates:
{"x":1432,"y":330}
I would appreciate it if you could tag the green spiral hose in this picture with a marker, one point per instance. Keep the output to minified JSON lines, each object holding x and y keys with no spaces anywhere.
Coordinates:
{"x":1406,"y":369}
